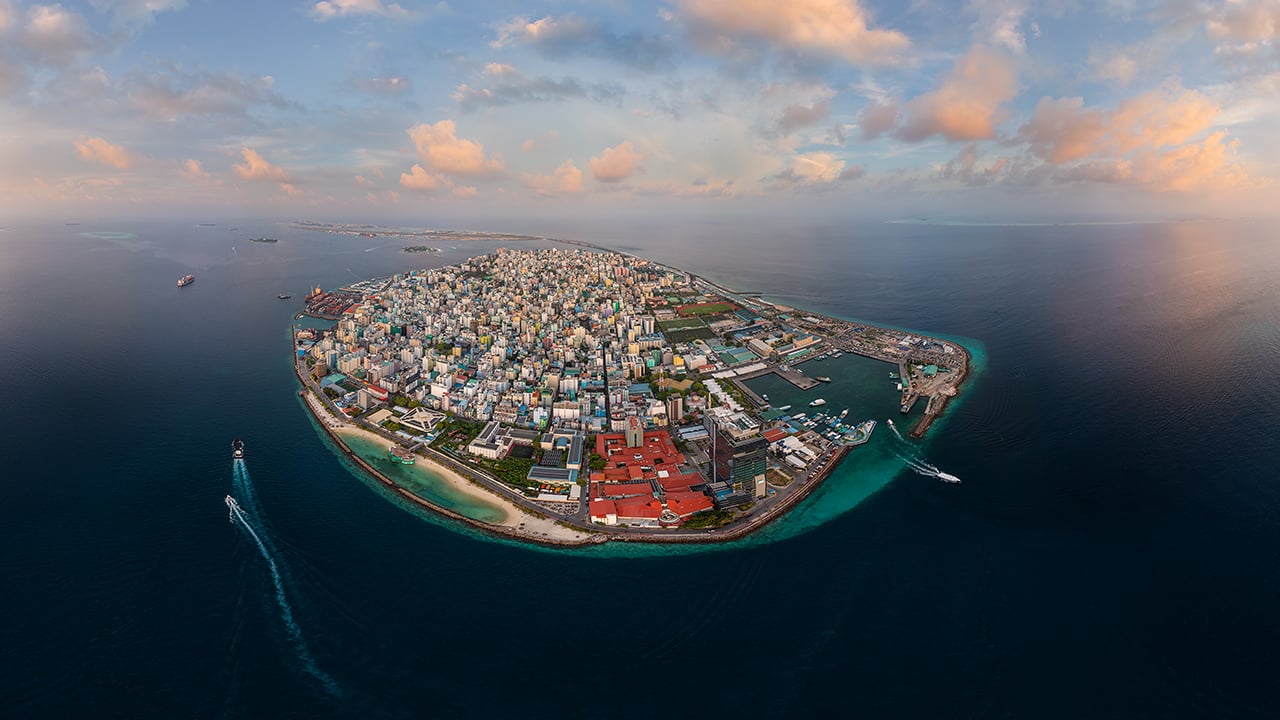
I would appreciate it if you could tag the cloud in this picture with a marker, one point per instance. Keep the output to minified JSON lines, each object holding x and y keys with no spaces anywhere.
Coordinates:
{"x":878,"y":118}
{"x":967,"y":106}
{"x":363,"y":181}
{"x":192,"y":170}
{"x":794,"y":117}
{"x":1246,"y":21}
{"x":509,"y":87}
{"x":1116,"y":66}
{"x":567,"y":179}
{"x":832,"y":28}
{"x":817,"y":168}
{"x":255,"y":167}
{"x":171,"y":93}
{"x":134,"y":11}
{"x":965,"y":168}
{"x":419,"y":179}
{"x":443,"y":151}
{"x":330,"y":9}
{"x":100,"y":151}
{"x":560,"y":37}
{"x":695,"y":189}
{"x":1185,"y":168}
{"x":57,"y":36}
{"x":615,"y":163}
{"x":999,"y":23}
{"x":1063,"y":130}
{"x":382,"y":85}
{"x":464,"y":191}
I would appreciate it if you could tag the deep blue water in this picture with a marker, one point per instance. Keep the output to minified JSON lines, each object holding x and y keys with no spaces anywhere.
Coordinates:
{"x":1112,"y":552}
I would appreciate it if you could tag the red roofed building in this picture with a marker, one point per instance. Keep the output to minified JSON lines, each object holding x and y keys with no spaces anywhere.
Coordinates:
{"x":774,"y":435}
{"x":636,"y":462}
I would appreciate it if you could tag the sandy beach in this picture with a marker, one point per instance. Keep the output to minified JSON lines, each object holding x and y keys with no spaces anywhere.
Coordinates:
{"x":516,"y":520}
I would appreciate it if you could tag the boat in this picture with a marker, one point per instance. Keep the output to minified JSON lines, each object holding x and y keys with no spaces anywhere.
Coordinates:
{"x":284,"y":296}
{"x":401,"y":455}
{"x":186,"y":280}
{"x":818,"y":402}
{"x":948,"y":478}
{"x":890,"y":421}
{"x":264,"y":240}
{"x":860,"y":433}
{"x":237,"y":449}
{"x":784,"y":408}
{"x":822,"y":378}
{"x":843,"y":413}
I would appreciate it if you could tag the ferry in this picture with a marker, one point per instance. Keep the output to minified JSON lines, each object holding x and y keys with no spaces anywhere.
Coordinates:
{"x":401,"y":455}
{"x":948,"y":478}
{"x":822,"y":378}
{"x":237,"y":449}
{"x":818,"y":402}
{"x":186,"y":280}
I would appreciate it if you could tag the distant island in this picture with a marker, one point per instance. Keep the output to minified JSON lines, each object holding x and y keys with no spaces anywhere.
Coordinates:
{"x":586,"y":395}
{"x":419,"y":249}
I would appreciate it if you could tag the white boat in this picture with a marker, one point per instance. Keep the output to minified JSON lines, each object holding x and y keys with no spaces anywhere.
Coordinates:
{"x":844,"y":412}
{"x":784,"y":408}
{"x":818,"y":402}
{"x":948,"y":477}
{"x":890,"y":421}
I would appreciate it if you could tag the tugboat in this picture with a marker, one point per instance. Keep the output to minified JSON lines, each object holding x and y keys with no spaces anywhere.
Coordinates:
{"x":186,"y":280}
{"x":237,"y":449}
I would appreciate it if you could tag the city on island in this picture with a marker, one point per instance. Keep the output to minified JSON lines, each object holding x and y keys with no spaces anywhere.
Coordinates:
{"x":601,"y":390}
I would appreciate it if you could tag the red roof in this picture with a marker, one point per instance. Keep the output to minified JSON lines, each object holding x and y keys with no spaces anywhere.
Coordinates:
{"x":601,"y":508}
{"x":639,"y":508}
{"x":685,"y":504}
{"x":619,"y":490}
{"x":774,"y":435}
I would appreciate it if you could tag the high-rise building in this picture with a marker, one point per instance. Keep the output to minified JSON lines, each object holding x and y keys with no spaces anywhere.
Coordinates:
{"x":738,"y":452}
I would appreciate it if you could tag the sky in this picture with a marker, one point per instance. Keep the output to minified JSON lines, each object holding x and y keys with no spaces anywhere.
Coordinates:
{"x":368,"y":109}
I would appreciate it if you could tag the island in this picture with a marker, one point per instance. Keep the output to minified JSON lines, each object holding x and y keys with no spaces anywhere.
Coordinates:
{"x":419,"y":249}
{"x":583,"y":395}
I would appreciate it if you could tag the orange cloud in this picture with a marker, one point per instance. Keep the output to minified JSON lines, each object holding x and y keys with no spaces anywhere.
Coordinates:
{"x":567,"y":179}
{"x":419,"y":179}
{"x":100,"y":151}
{"x":255,"y":167}
{"x":838,"y":28}
{"x":967,"y":106}
{"x":615,"y":163}
{"x":1189,"y":167}
{"x":443,"y":151}
{"x":1063,"y":130}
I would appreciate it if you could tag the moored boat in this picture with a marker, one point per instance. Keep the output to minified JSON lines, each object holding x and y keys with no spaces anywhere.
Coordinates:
{"x":817,"y":403}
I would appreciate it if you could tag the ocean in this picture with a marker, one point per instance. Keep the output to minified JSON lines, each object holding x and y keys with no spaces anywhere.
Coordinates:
{"x":1111,"y":552}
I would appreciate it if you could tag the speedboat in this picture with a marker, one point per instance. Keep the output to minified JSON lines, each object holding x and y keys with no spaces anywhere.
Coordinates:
{"x":237,"y":449}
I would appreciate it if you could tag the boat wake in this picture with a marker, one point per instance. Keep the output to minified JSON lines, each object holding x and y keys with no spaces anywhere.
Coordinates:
{"x":237,"y":516}
{"x":918,"y":464}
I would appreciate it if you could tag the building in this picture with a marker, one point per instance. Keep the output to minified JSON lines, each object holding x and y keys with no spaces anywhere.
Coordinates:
{"x":738,"y":454}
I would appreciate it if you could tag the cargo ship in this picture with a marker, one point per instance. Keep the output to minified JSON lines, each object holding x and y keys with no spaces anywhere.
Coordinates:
{"x":401,"y":455}
{"x":186,"y":280}
{"x":237,"y":449}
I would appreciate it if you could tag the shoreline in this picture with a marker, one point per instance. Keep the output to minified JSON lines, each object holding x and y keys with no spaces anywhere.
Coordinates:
{"x":517,"y":523}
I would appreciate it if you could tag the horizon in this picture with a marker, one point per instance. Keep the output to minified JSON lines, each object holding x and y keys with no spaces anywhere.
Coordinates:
{"x":810,"y":109}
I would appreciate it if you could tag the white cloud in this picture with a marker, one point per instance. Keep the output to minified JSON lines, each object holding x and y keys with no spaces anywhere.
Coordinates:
{"x":330,"y":9}
{"x":615,"y":163}
{"x":443,"y":151}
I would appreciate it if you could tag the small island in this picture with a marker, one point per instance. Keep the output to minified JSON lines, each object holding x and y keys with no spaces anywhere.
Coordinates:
{"x":579,"y":396}
{"x":419,"y":249}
